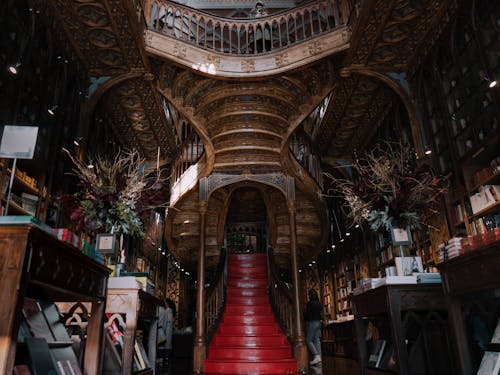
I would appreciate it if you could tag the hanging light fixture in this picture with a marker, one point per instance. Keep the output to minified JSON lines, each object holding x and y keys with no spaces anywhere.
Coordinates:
{"x":14,"y":69}
{"x":52,"y":110}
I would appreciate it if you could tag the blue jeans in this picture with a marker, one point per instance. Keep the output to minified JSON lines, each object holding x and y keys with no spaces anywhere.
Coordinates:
{"x":313,"y":334}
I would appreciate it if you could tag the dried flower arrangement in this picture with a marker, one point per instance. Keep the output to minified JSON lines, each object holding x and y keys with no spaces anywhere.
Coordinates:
{"x":390,"y":189}
{"x":115,"y":196}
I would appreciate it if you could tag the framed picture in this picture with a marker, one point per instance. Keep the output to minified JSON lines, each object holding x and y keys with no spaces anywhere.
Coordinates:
{"x":401,"y":236}
{"x":106,"y":243}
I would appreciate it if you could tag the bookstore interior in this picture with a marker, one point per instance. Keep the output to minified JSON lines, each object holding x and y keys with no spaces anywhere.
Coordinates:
{"x":176,"y":177}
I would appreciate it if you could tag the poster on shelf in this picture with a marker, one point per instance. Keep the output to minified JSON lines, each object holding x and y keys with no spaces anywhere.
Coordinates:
{"x":18,"y":142}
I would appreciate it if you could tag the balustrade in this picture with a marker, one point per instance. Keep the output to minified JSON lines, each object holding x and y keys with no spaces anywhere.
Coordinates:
{"x":281,"y":299}
{"x":300,"y":146}
{"x":189,"y":153}
{"x":216,"y":297}
{"x":247,"y":36}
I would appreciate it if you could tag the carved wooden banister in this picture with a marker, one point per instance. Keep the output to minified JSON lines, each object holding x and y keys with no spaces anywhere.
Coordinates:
{"x":247,"y":36}
{"x":281,"y":298}
{"x":188,"y":154}
{"x":301,"y":148}
{"x":216,"y":298}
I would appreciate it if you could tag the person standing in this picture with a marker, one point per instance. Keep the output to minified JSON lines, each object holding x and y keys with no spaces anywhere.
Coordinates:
{"x":166,"y":323}
{"x":313,"y":317}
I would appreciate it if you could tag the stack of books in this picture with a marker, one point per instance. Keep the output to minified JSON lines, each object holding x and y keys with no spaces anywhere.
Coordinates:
{"x":450,"y":249}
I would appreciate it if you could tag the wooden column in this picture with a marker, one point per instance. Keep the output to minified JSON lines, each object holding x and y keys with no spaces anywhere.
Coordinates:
{"x":200,"y":350}
{"x":95,"y":339}
{"x":300,"y":348}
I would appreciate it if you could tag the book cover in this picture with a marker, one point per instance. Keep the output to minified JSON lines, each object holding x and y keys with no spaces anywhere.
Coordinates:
{"x":40,"y":357}
{"x":53,"y":317}
{"x":495,"y":339}
{"x":35,"y":318}
{"x":490,"y":364}
{"x":377,"y":352}
{"x":405,"y":266}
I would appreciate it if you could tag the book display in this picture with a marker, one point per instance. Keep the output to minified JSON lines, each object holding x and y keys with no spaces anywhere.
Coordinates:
{"x":403,"y":327}
{"x":32,"y":325}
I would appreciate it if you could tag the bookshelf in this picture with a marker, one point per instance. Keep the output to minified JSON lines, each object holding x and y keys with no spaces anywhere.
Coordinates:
{"x":27,"y":198}
{"x":35,"y":264}
{"x":129,"y":308}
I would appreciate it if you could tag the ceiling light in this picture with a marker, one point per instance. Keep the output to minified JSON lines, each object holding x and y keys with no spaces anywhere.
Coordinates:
{"x":76,"y":143}
{"x":90,"y":166}
{"x":341,"y":240}
{"x":428,"y":151}
{"x":327,"y":250}
{"x":162,"y":253}
{"x":492,"y":84}
{"x":333,"y":246}
{"x":356,"y":226}
{"x":347,"y":234}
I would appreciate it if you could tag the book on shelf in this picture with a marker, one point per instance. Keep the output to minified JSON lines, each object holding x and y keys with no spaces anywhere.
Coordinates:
{"x":41,"y":359}
{"x":375,"y":357}
{"x":408,"y":265}
{"x":36,"y":320}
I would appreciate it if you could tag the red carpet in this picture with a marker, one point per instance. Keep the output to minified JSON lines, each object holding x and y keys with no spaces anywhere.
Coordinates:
{"x":248,"y":340}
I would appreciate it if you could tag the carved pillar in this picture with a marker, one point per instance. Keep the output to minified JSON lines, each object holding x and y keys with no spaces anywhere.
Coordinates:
{"x":299,"y":344}
{"x":200,"y":339}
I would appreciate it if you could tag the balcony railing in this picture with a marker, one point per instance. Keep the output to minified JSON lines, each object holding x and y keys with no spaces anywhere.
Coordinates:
{"x":300,"y":146}
{"x":242,"y":37}
{"x":188,"y":155}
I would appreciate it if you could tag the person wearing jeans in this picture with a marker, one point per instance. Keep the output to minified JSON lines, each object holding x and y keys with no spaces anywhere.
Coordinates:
{"x":313,"y":317}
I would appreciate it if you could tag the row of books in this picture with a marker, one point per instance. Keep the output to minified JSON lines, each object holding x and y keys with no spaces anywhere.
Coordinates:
{"x":488,"y":195}
{"x":486,"y":173}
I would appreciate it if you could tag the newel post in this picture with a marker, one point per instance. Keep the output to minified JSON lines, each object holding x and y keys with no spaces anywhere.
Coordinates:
{"x":200,"y":350}
{"x":299,"y":343}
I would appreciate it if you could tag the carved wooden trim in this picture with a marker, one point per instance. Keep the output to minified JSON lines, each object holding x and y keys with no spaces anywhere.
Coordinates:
{"x":219,"y":65}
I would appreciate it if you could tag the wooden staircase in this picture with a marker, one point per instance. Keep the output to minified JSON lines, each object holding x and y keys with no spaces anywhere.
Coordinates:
{"x":248,"y":339}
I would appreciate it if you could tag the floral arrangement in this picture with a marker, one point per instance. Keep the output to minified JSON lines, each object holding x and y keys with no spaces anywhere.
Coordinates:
{"x":115,"y":196}
{"x":390,"y":189}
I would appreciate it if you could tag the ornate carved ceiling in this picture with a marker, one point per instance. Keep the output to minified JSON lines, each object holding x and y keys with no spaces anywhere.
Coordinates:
{"x":107,"y":39}
{"x":390,"y":36}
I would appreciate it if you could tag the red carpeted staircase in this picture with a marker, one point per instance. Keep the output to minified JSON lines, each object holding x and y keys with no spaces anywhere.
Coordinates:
{"x":248,"y":340}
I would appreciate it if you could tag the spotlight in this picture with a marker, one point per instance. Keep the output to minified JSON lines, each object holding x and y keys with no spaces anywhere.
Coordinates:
{"x":310,"y":265}
{"x":347,"y":234}
{"x":300,"y":271}
{"x":76,"y":143}
{"x":333,"y":246}
{"x":356,"y":226}
{"x":91,"y":166}
{"x":14,"y":69}
{"x":341,"y":240}
{"x":327,"y":250}
{"x":52,"y":110}
{"x":162,"y":253}
{"x":428,"y":151}
{"x":491,"y":83}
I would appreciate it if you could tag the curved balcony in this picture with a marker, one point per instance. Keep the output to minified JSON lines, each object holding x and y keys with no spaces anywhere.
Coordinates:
{"x":275,"y":43}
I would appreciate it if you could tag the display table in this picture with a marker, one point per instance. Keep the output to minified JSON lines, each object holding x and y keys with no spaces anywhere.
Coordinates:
{"x":412,"y":319}
{"x":471,"y":282}
{"x":36,"y":264}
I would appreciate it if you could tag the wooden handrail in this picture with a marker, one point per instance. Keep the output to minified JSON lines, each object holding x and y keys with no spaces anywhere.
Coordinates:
{"x":247,"y":36}
{"x":301,"y":149}
{"x":216,"y":298}
{"x":281,"y":298}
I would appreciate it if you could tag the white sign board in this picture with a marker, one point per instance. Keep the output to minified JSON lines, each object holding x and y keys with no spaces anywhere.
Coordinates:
{"x":18,"y":142}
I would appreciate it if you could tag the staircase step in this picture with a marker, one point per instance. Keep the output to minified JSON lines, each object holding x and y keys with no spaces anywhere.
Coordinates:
{"x":247,"y":319}
{"x":257,"y":272}
{"x":274,"y":367}
{"x":251,"y":330}
{"x":248,"y":309}
{"x":243,"y":257}
{"x":249,"y":354}
{"x":247,"y":292}
{"x":249,"y":341}
{"x":247,"y":283}
{"x":247,"y":300}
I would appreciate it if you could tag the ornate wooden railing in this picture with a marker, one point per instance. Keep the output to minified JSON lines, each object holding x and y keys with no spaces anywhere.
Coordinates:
{"x":216,"y":298}
{"x":187,"y":155}
{"x":247,"y":36}
{"x":281,"y":298}
{"x":301,"y":148}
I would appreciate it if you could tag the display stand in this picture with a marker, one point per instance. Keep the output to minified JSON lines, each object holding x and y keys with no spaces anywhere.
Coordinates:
{"x":396,"y":305}
{"x":469,"y":280}
{"x":35,"y":263}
